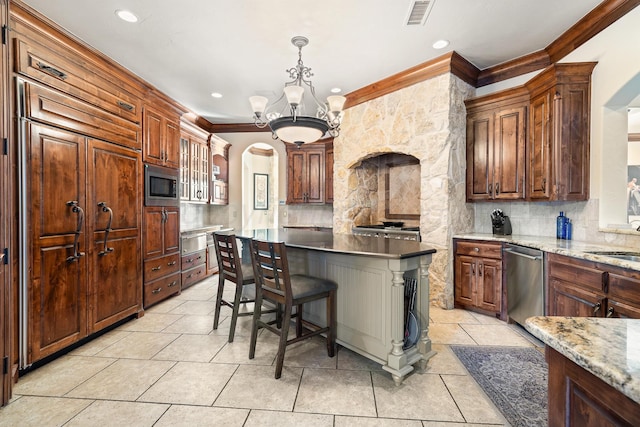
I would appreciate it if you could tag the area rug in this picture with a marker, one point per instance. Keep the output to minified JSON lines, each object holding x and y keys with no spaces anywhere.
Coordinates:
{"x":514,"y":378}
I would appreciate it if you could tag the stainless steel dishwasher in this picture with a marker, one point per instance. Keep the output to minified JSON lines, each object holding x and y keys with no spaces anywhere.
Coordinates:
{"x":525,"y":282}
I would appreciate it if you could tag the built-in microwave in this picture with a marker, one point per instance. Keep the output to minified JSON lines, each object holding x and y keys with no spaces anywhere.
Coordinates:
{"x":160,"y":186}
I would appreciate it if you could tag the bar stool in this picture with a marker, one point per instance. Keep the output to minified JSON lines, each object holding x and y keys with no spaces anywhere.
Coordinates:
{"x":233,"y":270}
{"x":273,"y":281}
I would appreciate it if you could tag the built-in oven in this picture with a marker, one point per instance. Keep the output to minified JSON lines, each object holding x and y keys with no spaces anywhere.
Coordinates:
{"x":161,"y":186}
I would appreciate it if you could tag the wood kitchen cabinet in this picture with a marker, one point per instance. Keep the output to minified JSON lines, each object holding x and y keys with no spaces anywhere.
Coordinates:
{"x":219,"y":186}
{"x":583,"y":288}
{"x":194,"y":163}
{"x":328,"y":175}
{"x":194,"y":268}
{"x":496,"y":135}
{"x":559,"y":121}
{"x":161,"y":140}
{"x":306,"y":173}
{"x":478,"y":276}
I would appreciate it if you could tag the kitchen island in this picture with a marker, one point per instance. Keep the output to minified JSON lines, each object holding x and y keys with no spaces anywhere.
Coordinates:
{"x":594,"y":369}
{"x":370,"y":274}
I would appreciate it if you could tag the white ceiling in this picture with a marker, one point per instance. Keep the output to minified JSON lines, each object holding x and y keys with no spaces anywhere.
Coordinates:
{"x":190,"y":48}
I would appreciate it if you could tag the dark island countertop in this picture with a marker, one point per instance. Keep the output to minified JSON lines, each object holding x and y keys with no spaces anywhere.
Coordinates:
{"x":347,"y":244}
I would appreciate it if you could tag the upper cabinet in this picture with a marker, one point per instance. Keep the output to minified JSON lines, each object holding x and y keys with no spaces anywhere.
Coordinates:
{"x":161,"y":128}
{"x":306,"y":173}
{"x":194,"y":164}
{"x":532,"y":142}
{"x":496,"y":133}
{"x":219,"y":170}
{"x":558,"y":149}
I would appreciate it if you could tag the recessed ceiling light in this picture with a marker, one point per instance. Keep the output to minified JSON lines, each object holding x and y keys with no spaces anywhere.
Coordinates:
{"x":125,"y":15}
{"x":216,"y":94}
{"x":441,"y":44}
{"x":336,"y":90}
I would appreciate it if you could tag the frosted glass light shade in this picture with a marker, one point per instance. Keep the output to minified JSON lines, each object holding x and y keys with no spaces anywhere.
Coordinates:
{"x":336,"y":103}
{"x":258,"y":104}
{"x":294,"y":94}
{"x":301,"y":130}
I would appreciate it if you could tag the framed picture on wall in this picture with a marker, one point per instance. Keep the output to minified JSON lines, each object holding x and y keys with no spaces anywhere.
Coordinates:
{"x":260,"y":191}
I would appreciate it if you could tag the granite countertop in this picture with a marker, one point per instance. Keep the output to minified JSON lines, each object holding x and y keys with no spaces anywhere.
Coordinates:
{"x":608,"y":348}
{"x":204,"y":229}
{"x":573,"y":248}
{"x":348,"y":244}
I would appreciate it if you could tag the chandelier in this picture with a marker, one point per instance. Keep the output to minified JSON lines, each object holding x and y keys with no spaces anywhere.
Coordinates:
{"x":287,"y":120}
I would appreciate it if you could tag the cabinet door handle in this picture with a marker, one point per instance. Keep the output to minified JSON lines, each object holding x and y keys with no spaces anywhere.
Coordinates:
{"x":497,"y":188}
{"x":190,"y":276}
{"x":480,"y":269}
{"x":125,"y":106}
{"x":105,"y":250}
{"x":170,"y":264}
{"x":158,"y":268}
{"x":491,"y":189}
{"x":610,"y":312}
{"x":473,"y":269}
{"x":76,"y":209}
{"x":172,"y":284}
{"x":156,"y":291}
{"x":52,"y":71}
{"x":544,"y":185}
{"x":596,"y":308}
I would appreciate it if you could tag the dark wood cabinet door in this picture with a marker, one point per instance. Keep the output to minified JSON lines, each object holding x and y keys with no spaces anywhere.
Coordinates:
{"x":566,"y":299}
{"x":509,"y":153}
{"x":115,"y":198}
{"x":480,"y":135}
{"x":153,"y":241}
{"x":296,"y":177}
{"x":171,"y":230}
{"x":539,"y":151}
{"x":152,"y":123}
{"x":465,"y":278}
{"x":315,"y":176}
{"x":58,"y":281}
{"x":489,"y":287}
{"x":185,"y":170}
{"x":171,"y":144}
{"x":328,"y":177}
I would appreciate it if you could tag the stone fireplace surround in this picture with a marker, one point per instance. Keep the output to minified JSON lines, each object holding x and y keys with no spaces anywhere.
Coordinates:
{"x":427,"y":121}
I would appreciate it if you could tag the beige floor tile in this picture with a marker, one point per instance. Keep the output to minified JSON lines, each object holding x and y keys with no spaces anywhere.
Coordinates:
{"x":138,"y":345}
{"x":196,"y":324}
{"x":192,"y":348}
{"x":420,"y":397}
{"x":439,"y":315}
{"x":287,"y":419}
{"x":110,"y":413}
{"x":336,"y":392}
{"x":182,"y":415}
{"x":351,"y":360}
{"x":496,"y":335}
{"x":190,"y":383}
{"x":447,"y":333}
{"x":472,"y":401}
{"x":61,"y":375}
{"x":445,"y":424}
{"x":445,"y":362}
{"x":310,"y":353}
{"x":237,"y":352}
{"x":150,"y":322}
{"x":243,"y":326}
{"x":195,"y":307}
{"x":125,"y":379}
{"x":342,"y":421}
{"x":207,"y":293}
{"x":255,"y":387}
{"x":32,"y":411}
{"x":100,"y":343}
{"x":486,"y":320}
{"x":165,"y":306}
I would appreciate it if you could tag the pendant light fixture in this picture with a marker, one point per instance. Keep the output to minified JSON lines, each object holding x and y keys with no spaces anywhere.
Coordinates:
{"x":286,"y":116}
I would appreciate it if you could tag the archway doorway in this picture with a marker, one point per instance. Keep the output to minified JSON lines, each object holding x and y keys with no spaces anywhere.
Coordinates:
{"x":259,"y":187}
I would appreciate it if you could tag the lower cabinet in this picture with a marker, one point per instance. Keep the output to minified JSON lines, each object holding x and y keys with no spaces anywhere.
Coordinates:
{"x":194,"y":268}
{"x":579,"y":398}
{"x":478,"y":276}
{"x":212,"y":260}
{"x":162,"y":288}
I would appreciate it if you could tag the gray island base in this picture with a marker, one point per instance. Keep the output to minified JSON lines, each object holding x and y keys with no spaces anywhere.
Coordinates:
{"x":370,"y":273}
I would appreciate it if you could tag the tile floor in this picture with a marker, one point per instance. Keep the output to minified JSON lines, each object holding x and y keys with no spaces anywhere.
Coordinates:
{"x":169,"y":368}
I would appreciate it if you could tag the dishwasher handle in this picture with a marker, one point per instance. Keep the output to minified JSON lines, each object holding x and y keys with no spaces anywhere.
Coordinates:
{"x":512,"y":251}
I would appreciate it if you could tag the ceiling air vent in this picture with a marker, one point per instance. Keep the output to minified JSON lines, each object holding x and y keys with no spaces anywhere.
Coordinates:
{"x":419,"y":11}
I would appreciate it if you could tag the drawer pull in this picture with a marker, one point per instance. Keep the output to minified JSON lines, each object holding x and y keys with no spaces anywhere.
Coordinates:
{"x":156,"y":268}
{"x":171,"y":263}
{"x":52,"y":71}
{"x":125,"y":106}
{"x":476,"y":249}
{"x":172,"y":284}
{"x":596,"y":308}
{"x":610,"y":312}
{"x":156,"y":291}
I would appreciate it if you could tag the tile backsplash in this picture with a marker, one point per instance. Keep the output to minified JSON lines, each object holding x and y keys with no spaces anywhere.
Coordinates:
{"x":539,"y":219}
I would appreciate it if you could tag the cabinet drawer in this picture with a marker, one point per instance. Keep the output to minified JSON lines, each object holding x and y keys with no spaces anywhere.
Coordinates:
{"x":480,"y":249}
{"x":194,"y":259}
{"x":159,"y":267}
{"x":85,"y":81}
{"x":53,"y":107}
{"x":624,"y":285}
{"x":576,"y":271}
{"x":161,"y":289}
{"x":193,"y":275}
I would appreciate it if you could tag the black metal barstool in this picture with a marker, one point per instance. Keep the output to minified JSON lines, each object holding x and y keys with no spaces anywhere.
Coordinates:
{"x":273,"y":282}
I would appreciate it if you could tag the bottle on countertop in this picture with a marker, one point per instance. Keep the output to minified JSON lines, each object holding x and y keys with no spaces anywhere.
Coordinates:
{"x":560,"y":224}
{"x":567,"y":229}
